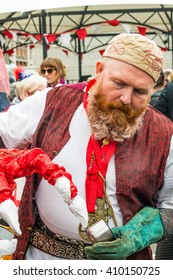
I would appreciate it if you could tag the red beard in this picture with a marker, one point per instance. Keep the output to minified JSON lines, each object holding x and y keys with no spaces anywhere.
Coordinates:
{"x":112,"y":120}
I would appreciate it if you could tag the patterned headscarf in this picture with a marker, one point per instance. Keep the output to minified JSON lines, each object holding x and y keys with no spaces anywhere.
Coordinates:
{"x":138,"y":51}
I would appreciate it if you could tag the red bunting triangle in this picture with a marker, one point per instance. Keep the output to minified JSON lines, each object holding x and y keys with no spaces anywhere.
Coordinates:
{"x":101,"y":52}
{"x":50,"y":38}
{"x":81,"y":33}
{"x":37,"y":37}
{"x":163,"y":49}
{"x":113,"y":22}
{"x":32,"y":46}
{"x":8,"y":34}
{"x":10,"y":52}
{"x":66,"y":52}
{"x":142,"y":30}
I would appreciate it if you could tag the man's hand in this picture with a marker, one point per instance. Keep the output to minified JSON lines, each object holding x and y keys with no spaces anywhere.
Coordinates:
{"x":144,"y":229}
{"x":76,"y":204}
{"x":78,"y":207}
{"x":9,"y":213}
{"x":7,"y":247}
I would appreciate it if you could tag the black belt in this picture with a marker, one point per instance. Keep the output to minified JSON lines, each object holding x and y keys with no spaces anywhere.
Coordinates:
{"x":55,"y":244}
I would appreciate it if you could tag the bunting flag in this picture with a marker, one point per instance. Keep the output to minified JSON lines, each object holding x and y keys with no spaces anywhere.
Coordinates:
{"x":163,"y":49}
{"x":9,"y":52}
{"x":50,"y":38}
{"x":127,"y":27}
{"x":81,"y":33}
{"x":66,"y":52}
{"x":33,"y":39}
{"x":38,"y":37}
{"x":101,"y":52}
{"x":96,"y":27}
{"x":113,"y":22}
{"x":32,"y":46}
{"x":14,"y":34}
{"x":142,"y":30}
{"x":8,"y":34}
{"x":65,"y":38}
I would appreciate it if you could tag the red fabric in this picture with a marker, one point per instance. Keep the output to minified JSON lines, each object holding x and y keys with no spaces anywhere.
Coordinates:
{"x":38,"y":37}
{"x":113,"y":22}
{"x":81,"y":33}
{"x":97,"y":157}
{"x":50,"y":38}
{"x":101,"y":52}
{"x":142,"y":30}
{"x":5,"y":189}
{"x":9,"y":52}
{"x":16,"y":163}
{"x":8,"y":34}
{"x":17,"y":72}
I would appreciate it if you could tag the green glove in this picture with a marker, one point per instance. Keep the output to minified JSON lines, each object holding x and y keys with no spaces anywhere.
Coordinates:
{"x":144,"y":229}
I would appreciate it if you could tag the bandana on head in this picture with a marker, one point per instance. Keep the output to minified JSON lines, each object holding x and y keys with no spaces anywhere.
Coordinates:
{"x":137,"y":51}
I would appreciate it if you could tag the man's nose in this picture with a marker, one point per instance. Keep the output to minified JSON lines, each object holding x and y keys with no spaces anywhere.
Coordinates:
{"x":126,"y":96}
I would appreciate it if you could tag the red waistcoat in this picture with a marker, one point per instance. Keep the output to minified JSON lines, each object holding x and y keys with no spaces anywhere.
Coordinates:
{"x":140,"y":161}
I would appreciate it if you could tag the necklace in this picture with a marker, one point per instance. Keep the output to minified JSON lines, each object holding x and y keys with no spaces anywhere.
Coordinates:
{"x":97,"y":158}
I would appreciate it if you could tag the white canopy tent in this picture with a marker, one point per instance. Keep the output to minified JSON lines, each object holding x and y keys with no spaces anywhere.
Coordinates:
{"x":56,"y":24}
{"x":23,"y":6}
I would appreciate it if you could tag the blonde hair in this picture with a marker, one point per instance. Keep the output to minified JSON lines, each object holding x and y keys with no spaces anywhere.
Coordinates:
{"x":30,"y":85}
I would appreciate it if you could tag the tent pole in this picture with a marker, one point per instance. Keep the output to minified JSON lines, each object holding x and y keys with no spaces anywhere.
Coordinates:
{"x":43,"y":16}
{"x":79,"y":59}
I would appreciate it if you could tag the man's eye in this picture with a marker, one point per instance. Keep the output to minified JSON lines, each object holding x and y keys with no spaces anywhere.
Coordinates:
{"x":139,"y":92}
{"x":118,"y":84}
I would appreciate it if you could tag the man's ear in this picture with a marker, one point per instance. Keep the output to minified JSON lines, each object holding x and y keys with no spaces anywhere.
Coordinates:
{"x":99,"y":66}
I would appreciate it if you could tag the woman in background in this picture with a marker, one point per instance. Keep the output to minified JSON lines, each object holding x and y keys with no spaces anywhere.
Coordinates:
{"x":54,"y":71}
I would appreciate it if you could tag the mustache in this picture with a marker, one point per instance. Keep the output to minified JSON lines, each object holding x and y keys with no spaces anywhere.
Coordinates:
{"x":117,"y":107}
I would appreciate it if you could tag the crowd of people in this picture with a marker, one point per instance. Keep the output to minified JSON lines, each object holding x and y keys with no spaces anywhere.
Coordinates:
{"x":107,"y":152}
{"x":24,"y":82}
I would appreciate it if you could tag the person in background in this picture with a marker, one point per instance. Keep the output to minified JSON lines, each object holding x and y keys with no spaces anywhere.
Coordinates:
{"x":157,"y":89}
{"x":164,"y":104}
{"x":30,"y":83}
{"x":4,"y":102}
{"x":4,"y":84}
{"x":118,"y":150}
{"x":167,"y":73}
{"x":12,"y":80}
{"x":53,"y":70}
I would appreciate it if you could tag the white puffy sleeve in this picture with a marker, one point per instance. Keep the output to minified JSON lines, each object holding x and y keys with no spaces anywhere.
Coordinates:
{"x":18,"y":124}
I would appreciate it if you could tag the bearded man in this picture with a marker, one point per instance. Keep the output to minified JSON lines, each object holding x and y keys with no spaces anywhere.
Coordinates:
{"x":118,"y":149}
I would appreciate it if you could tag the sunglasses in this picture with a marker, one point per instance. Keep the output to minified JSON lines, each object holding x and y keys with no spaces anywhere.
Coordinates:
{"x":49,"y":71}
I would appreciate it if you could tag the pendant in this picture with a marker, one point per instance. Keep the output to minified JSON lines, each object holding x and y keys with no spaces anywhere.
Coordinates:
{"x":103,"y":212}
{"x":105,"y":142}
